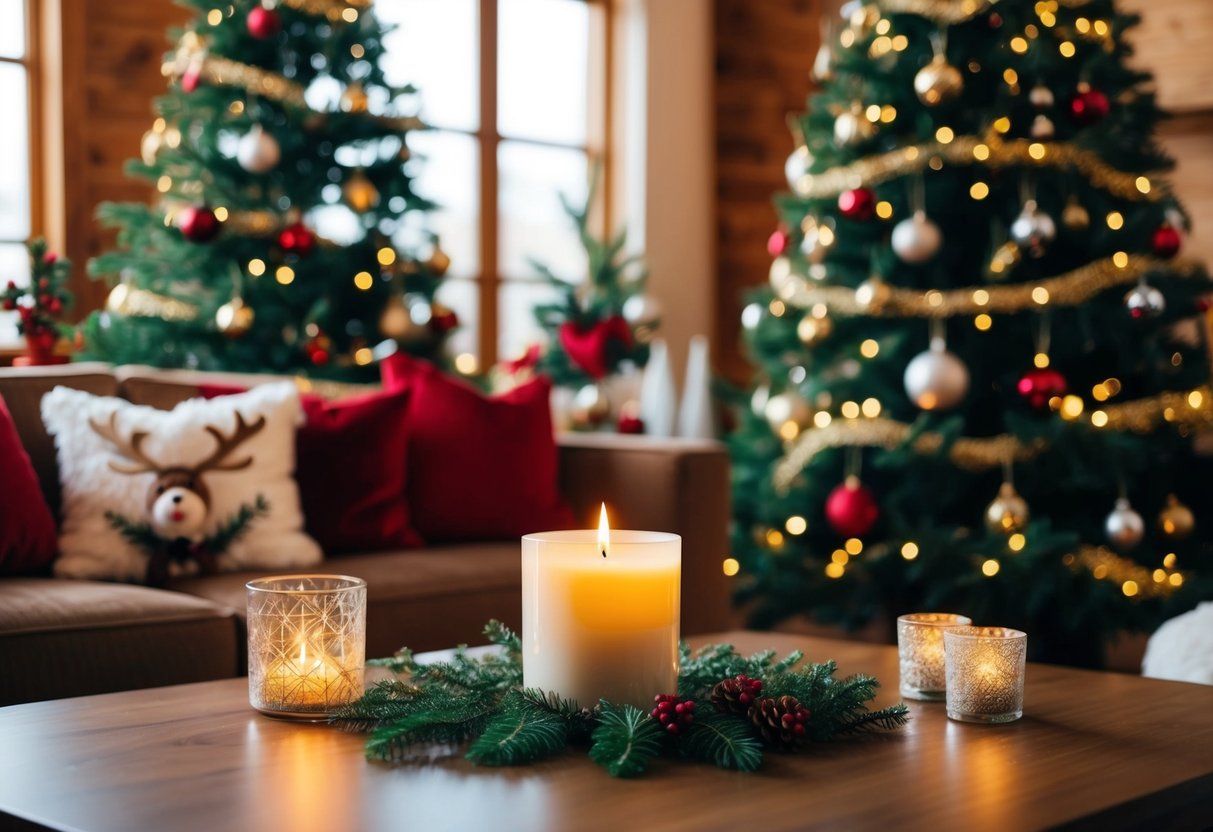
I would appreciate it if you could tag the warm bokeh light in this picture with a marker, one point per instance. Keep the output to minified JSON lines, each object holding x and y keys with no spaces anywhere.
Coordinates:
{"x":730,"y":567}
{"x":909,"y":550}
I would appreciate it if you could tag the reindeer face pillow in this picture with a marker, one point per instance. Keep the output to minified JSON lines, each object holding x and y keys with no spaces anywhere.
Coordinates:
{"x":149,"y":495}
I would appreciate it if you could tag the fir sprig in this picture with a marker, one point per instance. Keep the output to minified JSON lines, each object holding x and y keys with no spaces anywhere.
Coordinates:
{"x":522,"y":731}
{"x":626,"y":740}
{"x":726,"y":740}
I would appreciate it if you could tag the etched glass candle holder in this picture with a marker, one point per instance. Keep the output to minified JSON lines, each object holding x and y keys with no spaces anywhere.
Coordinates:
{"x":985,"y":671}
{"x":306,"y":644}
{"x":920,"y":650}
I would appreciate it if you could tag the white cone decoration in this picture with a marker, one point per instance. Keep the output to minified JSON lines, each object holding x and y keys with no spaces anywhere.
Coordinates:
{"x":657,"y":398}
{"x":695,"y":415}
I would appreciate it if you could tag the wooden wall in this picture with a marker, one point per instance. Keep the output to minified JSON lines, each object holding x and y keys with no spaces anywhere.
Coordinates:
{"x":764,"y":51}
{"x":109,"y":56}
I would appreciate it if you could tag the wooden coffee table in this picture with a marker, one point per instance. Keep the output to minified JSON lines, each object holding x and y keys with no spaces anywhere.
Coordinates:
{"x":1093,"y":750}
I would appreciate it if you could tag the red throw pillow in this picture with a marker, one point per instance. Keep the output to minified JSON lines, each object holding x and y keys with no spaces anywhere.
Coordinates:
{"x":28,"y":539}
{"x":479,"y":468}
{"x":350,"y":464}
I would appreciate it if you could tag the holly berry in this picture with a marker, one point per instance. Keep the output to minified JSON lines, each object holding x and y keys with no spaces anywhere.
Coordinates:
{"x":1165,"y":240}
{"x":736,"y":694}
{"x":263,"y":23}
{"x":1089,"y":106}
{"x":857,"y":204}
{"x":8,"y":305}
{"x":674,"y":713}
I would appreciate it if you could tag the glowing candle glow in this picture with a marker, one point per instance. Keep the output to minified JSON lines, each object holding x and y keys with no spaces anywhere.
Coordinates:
{"x":600,"y":613}
{"x":920,"y":651}
{"x":985,"y":673}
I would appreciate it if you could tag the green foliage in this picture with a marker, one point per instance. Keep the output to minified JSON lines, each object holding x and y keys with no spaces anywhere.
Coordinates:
{"x":522,"y":731}
{"x":626,"y":740}
{"x":139,"y":535}
{"x":237,"y":525}
{"x":725,"y":740}
{"x":43,"y":302}
{"x":701,"y":670}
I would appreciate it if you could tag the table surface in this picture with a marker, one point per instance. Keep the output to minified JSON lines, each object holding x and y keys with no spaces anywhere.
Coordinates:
{"x":1093,"y":749}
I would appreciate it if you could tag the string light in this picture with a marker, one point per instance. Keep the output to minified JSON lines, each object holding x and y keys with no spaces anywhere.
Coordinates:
{"x":349,"y":15}
{"x":1019,"y":45}
{"x":1099,"y":418}
{"x":796,"y":525}
{"x":1129,"y":588}
{"x":774,"y":538}
{"x":1169,"y":560}
{"x":873,"y":113}
{"x":909,"y":550}
{"x":1010,"y":76}
{"x":220,"y":213}
{"x":357,"y":50}
{"x":214,"y":17}
{"x":789,"y":430}
{"x":981,"y":152}
{"x":285,"y":275}
{"x":1115,"y":220}
{"x":979,"y":190}
{"x":1071,"y":407}
{"x":983,"y":322}
{"x":256,"y":267}
{"x":869,"y":348}
{"x":981,"y":297}
{"x":853,"y":546}
{"x":1002,"y":124}
{"x":164,"y":184}
{"x":1041,"y":360}
{"x":884,"y":209}
{"x":835,"y":570}
{"x":1120,"y":259}
{"x":777,"y":308}
{"x":840,"y":557}
{"x":466,"y":363}
{"x":730,"y":567}
{"x":1066,"y":48}
{"x":1100,"y":392}
{"x":871,"y":408}
{"x":850,"y":410}
{"x":1037,"y":151}
{"x":386,"y":256}
{"x":990,"y":568}
{"x":363,"y":281}
{"x":1143,"y":184}
{"x":363,"y":356}
{"x":822,"y":419}
{"x":1016,"y":542}
{"x":944,"y":135}
{"x":1040,"y":295}
{"x":888,"y":112}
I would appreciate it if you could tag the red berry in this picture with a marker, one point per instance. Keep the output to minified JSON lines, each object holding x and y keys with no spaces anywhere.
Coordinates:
{"x":43,"y":283}
{"x":49,"y":258}
{"x":798,"y":729}
{"x":673,"y":729}
{"x":745,"y":699}
{"x":11,"y":285}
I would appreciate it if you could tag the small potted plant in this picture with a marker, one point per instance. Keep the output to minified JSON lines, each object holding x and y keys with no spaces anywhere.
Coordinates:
{"x":40,"y":305}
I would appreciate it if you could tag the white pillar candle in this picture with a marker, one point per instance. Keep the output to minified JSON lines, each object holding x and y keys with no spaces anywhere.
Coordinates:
{"x":600,"y":614}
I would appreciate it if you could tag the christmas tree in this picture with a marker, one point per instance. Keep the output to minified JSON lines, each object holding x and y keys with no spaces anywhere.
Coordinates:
{"x":286,"y":235}
{"x":981,"y":355}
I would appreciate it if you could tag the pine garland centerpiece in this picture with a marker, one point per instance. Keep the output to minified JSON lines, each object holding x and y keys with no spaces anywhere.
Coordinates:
{"x":728,"y":710}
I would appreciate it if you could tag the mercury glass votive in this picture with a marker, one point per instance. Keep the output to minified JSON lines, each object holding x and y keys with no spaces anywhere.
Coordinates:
{"x":920,"y":650}
{"x":306,"y":644}
{"x":985,"y":672}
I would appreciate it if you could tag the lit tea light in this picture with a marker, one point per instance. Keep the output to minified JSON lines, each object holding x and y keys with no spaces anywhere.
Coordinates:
{"x":306,"y":644}
{"x":985,"y":673}
{"x":600,"y":613}
{"x":920,"y":652}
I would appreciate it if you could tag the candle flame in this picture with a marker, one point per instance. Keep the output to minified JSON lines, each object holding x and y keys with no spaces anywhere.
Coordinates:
{"x":604,"y":532}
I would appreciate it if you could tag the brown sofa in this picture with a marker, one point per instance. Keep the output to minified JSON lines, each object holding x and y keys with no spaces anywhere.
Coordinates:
{"x":68,"y":638}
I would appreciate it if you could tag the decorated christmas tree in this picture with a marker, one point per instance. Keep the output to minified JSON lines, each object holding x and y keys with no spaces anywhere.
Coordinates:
{"x":982,"y":356}
{"x":285,"y":235}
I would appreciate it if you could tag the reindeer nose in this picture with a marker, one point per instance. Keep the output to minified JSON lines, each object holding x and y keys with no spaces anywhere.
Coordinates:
{"x":176,"y":498}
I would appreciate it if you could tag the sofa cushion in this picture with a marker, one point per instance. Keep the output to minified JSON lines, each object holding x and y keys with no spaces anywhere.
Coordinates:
{"x":425,"y":599}
{"x":73,"y":638}
{"x":23,"y":389}
{"x":27,"y":529}
{"x":165,"y":389}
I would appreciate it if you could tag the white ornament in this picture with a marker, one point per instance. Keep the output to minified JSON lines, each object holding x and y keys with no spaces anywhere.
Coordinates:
{"x":1042,"y":127}
{"x":1041,"y":96}
{"x":751,"y":315}
{"x":851,"y":128}
{"x":916,"y":239}
{"x":796,"y":168}
{"x":759,"y":399}
{"x":1124,"y":526}
{"x":149,"y":146}
{"x":258,"y":151}
{"x":936,"y":379}
{"x":642,"y":310}
{"x":1182,"y":649}
{"x":787,"y":407}
{"x":1033,"y":229}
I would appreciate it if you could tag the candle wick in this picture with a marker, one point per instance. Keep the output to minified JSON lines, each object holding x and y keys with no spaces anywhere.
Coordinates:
{"x":604,"y":551}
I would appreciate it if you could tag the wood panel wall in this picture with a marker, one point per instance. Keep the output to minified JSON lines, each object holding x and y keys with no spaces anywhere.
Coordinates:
{"x":103,"y":63}
{"x":764,"y":51}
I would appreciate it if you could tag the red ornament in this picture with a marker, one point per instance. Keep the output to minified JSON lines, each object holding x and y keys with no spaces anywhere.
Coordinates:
{"x":263,"y":23}
{"x":857,"y":204}
{"x":55,"y":306}
{"x":587,"y":347}
{"x":198,"y":223}
{"x":851,"y":509}
{"x":629,"y":423}
{"x":192,"y":77}
{"x":1166,"y":240}
{"x":674,"y":714}
{"x":1039,"y":385}
{"x":297,"y":238}
{"x":995,"y":21}
{"x":50,"y":258}
{"x":778,"y":242}
{"x":442,"y":319}
{"x":526,"y":361}
{"x":1089,"y":106}
{"x":8,"y":305}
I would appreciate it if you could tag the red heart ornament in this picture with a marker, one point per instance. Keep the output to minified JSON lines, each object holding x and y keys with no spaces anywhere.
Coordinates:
{"x":587,"y":348}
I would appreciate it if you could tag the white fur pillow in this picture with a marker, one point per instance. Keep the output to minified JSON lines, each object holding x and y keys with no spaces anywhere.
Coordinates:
{"x":126,"y":464}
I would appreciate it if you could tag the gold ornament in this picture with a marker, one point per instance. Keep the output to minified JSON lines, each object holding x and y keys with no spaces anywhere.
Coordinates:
{"x":1074,"y":216}
{"x":938,"y":82}
{"x":130,"y":302}
{"x":234,"y":318}
{"x":1006,"y":258}
{"x":784,"y":280}
{"x":1008,"y":513}
{"x":813,"y":330}
{"x":438,"y":262}
{"x":354,"y":99}
{"x":852,"y":127}
{"x":1176,"y":520}
{"x":1105,"y":565}
{"x":590,"y":407}
{"x":150,"y":145}
{"x":396,"y":322}
{"x":360,"y":193}
{"x":863,"y":20}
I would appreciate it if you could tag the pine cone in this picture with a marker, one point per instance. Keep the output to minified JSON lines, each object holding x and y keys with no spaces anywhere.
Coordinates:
{"x":781,"y":722}
{"x":736,"y":695}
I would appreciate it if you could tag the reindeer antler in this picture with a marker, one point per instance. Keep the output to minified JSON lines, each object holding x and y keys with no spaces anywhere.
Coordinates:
{"x":131,"y":449}
{"x":226,"y":444}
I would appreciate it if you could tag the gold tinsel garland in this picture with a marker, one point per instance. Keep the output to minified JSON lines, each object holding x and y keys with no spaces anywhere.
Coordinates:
{"x":978,"y":454}
{"x":1106,"y":565}
{"x":132,"y":302}
{"x":952,"y":11}
{"x":1070,"y":289}
{"x":874,"y":170}
{"x":334,"y":10}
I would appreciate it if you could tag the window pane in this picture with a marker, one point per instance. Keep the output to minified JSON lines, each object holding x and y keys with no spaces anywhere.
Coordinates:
{"x":516,"y":327}
{"x":434,"y":47}
{"x":14,"y":150}
{"x":463,"y":297}
{"x":12,"y":28}
{"x":533,"y":222}
{"x":14,"y":265}
{"x":542,"y":63}
{"x":446,"y":173}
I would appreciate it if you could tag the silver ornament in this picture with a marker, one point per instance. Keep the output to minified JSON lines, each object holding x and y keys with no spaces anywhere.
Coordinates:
{"x":787,"y":407}
{"x":1124,"y":526}
{"x":258,"y":151}
{"x":1042,"y":127}
{"x":1033,"y":229}
{"x":642,"y":310}
{"x":852,"y":127}
{"x":752,"y":315}
{"x":759,"y":399}
{"x":1041,"y":96}
{"x":784,"y":279}
{"x":916,"y":239}
{"x":796,"y":169}
{"x":1144,"y":301}
{"x":938,"y":82}
{"x":936,"y":379}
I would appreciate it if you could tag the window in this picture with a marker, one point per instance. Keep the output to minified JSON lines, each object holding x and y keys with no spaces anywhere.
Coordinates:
{"x":16,"y":185}
{"x":515,"y":92}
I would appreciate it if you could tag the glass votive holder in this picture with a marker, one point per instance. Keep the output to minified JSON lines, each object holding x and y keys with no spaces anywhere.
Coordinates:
{"x":985,"y":672}
{"x":306,"y":644}
{"x":920,"y":652}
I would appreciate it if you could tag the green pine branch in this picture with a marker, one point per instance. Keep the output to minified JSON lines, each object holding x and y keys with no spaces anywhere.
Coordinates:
{"x":520,"y":732}
{"x":626,"y":740}
{"x":139,"y":535}
{"x":726,"y":740}
{"x":237,"y":525}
